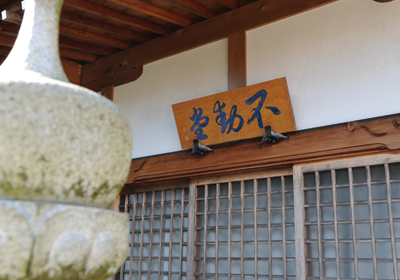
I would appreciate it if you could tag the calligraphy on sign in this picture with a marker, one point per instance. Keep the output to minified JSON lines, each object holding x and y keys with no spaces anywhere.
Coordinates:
{"x":235,"y":115}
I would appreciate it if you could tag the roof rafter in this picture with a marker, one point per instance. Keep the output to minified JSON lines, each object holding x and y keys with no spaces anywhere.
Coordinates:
{"x":233,"y":4}
{"x":8,"y":41}
{"x":195,"y":8}
{"x":90,"y":36}
{"x":102,"y":26}
{"x":99,"y":10}
{"x":67,"y":30}
{"x":154,"y":11}
{"x":13,"y":28}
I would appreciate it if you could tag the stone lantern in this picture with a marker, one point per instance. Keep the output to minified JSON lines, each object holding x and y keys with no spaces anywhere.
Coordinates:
{"x":64,"y":156}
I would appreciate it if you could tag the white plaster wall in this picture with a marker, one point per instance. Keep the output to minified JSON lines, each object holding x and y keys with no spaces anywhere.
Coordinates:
{"x":342,"y":61}
{"x":147,"y":101}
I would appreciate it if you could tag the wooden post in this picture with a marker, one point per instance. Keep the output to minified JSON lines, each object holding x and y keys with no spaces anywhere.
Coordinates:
{"x":108,"y":92}
{"x":237,"y":62}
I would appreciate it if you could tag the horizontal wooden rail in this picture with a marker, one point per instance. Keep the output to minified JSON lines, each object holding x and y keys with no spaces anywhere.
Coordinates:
{"x":346,"y":139}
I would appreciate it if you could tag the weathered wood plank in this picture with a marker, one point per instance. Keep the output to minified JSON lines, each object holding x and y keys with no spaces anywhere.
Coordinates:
{"x":101,"y":26}
{"x":66,"y":53}
{"x":96,"y":9}
{"x":302,"y":146}
{"x":195,"y":8}
{"x":233,"y":4}
{"x":8,"y":41}
{"x":244,"y":18}
{"x":93,"y":37}
{"x":237,"y":60}
{"x":154,"y":11}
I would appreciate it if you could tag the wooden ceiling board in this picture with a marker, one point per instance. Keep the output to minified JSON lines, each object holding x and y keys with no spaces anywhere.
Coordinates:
{"x":170,"y":6}
{"x":100,"y":27}
{"x":165,"y":24}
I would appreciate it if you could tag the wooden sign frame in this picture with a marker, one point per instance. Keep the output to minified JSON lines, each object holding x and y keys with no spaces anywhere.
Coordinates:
{"x":236,"y":114}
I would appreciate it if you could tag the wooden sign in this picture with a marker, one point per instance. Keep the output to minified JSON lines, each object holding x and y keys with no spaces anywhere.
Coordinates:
{"x":235,"y":115}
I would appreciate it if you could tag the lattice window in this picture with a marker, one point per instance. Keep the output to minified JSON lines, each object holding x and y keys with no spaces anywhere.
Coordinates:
{"x":159,"y":234}
{"x":329,"y":220}
{"x":352,"y":222}
{"x":245,"y":229}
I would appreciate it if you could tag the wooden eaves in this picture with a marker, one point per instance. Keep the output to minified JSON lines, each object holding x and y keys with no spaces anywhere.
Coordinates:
{"x":109,"y":41}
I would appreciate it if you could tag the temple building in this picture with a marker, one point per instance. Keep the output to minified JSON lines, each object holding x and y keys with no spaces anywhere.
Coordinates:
{"x":322,"y":202}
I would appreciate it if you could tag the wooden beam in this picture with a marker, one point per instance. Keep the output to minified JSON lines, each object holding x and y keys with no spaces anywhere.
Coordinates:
{"x":132,"y":75}
{"x":108,"y":92}
{"x":73,"y":70}
{"x":237,"y":61}
{"x":93,"y":37}
{"x":233,"y":4}
{"x":329,"y":142}
{"x":9,"y":16}
{"x":247,"y":17}
{"x":99,"y":10}
{"x":145,"y":8}
{"x":195,"y":8}
{"x":102,"y":26}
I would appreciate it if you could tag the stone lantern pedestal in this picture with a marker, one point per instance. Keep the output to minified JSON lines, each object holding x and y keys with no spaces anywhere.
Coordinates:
{"x":65,"y":153}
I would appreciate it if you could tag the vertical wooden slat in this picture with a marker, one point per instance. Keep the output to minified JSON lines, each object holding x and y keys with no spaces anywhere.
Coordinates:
{"x":142,"y":235}
{"x":161,"y":234}
{"x":392,"y":234}
{"x":353,"y":223}
{"x":371,"y":221}
{"x":319,"y":229}
{"x":181,"y":233}
{"x":171,"y":233}
{"x":108,"y":92}
{"x":217,"y":233}
{"x":229,"y":229}
{"x":242,"y":229}
{"x":237,"y":62}
{"x":191,"y":231}
{"x":205,"y":231}
{"x":269,"y":229}
{"x":153,"y":195}
{"x":298,"y":185}
{"x":133,"y":228}
{"x":283,"y":228}
{"x":335,"y":220}
{"x":255,"y":230}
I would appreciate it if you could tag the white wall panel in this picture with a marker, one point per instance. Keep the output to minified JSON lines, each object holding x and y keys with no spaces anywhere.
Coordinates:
{"x":342,"y":61}
{"x":147,"y":101}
